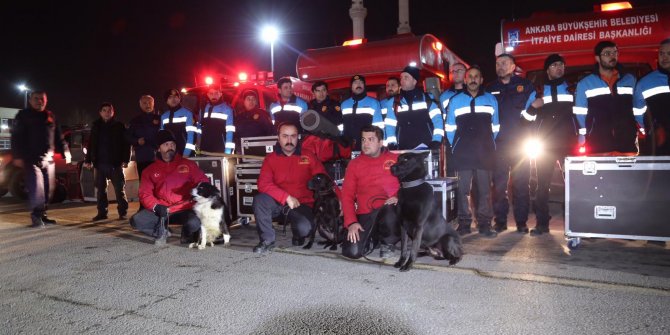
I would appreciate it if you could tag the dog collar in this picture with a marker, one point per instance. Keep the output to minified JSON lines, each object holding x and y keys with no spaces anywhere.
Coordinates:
{"x":412,"y":183}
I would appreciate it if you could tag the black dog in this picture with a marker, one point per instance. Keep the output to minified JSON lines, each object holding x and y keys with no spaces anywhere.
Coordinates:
{"x":326,"y":212}
{"x":421,"y":221}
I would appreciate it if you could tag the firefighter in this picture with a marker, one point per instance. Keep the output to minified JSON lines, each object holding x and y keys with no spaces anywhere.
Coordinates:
{"x":108,"y":153}
{"x":604,"y":105}
{"x":288,"y":107}
{"x":142,"y":133}
{"x":472,"y":125}
{"x":35,"y":138}
{"x":413,"y":117}
{"x":369,"y":196}
{"x":327,"y":107}
{"x":282,"y":187}
{"x":556,"y":130}
{"x":216,"y":124}
{"x":652,"y":97}
{"x":165,"y":193}
{"x":251,"y":120}
{"x":512,"y":92}
{"x":359,"y":111}
{"x":179,"y":121}
{"x":392,"y":89}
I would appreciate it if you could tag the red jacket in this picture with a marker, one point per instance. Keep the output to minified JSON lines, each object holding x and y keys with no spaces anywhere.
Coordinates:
{"x":368,"y":183}
{"x":283,"y":175}
{"x":323,"y":148}
{"x":170,"y":184}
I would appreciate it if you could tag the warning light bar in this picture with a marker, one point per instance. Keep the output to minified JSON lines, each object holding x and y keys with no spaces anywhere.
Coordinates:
{"x":612,"y":6}
{"x":354,"y":42}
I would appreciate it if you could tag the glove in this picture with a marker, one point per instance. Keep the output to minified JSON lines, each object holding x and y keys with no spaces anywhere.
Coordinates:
{"x":161,"y":211}
{"x":392,"y":146}
{"x":434,"y":145}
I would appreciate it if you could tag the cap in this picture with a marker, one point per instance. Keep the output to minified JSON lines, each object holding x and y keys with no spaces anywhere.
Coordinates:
{"x":163,"y":136}
{"x":412,"y":71}
{"x":357,"y":77}
{"x":553,"y":58}
{"x":248,"y":93}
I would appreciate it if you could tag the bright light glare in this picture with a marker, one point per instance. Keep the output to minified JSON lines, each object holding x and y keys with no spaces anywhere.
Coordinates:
{"x":608,"y":7}
{"x":412,"y":64}
{"x":533,"y":148}
{"x":22,"y":87}
{"x":305,"y":76}
{"x":209,"y":80}
{"x":269,"y":34}
{"x":582,"y":149}
{"x":183,"y":90}
{"x":242,"y":76}
{"x":509,"y":49}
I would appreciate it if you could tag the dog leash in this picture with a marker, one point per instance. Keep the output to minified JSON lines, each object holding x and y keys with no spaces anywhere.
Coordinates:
{"x":285,"y":210}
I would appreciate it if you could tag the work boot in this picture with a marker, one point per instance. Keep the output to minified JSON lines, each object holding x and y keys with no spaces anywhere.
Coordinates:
{"x":522,"y":228}
{"x":46,"y":220}
{"x":500,"y":226}
{"x":123,"y":216}
{"x":161,"y":235}
{"x":297,"y":241}
{"x":539,"y":230}
{"x":100,"y":216}
{"x":264,"y":247}
{"x":385,"y":251}
{"x":487,"y":232}
{"x":37,"y":222}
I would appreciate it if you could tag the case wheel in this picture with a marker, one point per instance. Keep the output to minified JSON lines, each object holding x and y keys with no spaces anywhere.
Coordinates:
{"x":573,"y":243}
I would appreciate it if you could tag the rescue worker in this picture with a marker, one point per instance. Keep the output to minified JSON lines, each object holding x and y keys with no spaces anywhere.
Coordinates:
{"x":512,"y":92}
{"x":369,"y":196}
{"x":359,"y":111}
{"x":472,"y":125}
{"x":392,"y":89}
{"x":35,"y":138}
{"x":288,"y":107}
{"x":327,"y":107}
{"x":413,"y":117}
{"x":556,"y":130}
{"x":142,"y":133}
{"x":216,"y":124}
{"x":604,"y":105}
{"x":179,"y":120}
{"x":108,"y":153}
{"x":250,"y":120}
{"x":458,"y":85}
{"x":282,"y":187}
{"x":165,"y":193}
{"x":652,"y":96}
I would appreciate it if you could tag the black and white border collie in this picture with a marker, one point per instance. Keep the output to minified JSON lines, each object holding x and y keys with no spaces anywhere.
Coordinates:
{"x":210,"y":209}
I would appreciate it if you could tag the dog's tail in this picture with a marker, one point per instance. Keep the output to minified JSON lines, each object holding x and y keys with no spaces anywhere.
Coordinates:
{"x":452,"y":248}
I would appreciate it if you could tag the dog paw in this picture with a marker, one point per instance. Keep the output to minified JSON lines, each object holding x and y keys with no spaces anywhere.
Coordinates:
{"x":200,"y":247}
{"x":192,"y":245}
{"x":399,"y":263}
{"x":407,"y":266}
{"x":308,"y":246}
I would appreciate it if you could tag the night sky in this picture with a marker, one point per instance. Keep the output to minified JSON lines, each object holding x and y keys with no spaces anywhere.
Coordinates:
{"x":86,"y":52}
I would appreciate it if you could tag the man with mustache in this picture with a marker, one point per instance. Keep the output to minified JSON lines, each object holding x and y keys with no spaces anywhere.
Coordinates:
{"x":604,"y":105}
{"x":359,"y":111}
{"x":282,"y":187}
{"x":165,"y":193}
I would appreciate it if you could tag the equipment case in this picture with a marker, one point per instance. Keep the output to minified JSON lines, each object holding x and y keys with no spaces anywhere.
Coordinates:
{"x":257,"y":146}
{"x":617,"y":197}
{"x":445,"y":196}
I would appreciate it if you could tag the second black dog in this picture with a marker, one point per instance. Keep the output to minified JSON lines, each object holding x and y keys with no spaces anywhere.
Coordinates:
{"x":326,"y":212}
{"x":420,"y":219}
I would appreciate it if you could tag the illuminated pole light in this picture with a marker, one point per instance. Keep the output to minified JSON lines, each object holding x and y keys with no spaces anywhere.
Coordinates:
{"x":23,"y":88}
{"x":270,"y":34}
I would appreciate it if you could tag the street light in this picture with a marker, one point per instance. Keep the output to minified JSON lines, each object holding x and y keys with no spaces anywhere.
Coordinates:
{"x":270,"y":34}
{"x":24,"y":89}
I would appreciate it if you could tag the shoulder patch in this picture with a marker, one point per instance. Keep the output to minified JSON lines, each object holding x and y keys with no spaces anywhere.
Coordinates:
{"x":304,"y":160}
{"x":519,"y":88}
{"x":324,"y":109}
{"x":183,"y":168}
{"x":388,"y":163}
{"x":256,"y":116}
{"x":337,"y":108}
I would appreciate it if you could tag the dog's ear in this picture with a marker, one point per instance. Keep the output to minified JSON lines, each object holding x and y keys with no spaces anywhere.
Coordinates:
{"x":424,"y":155}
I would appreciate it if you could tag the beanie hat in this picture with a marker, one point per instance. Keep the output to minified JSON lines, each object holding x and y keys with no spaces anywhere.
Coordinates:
{"x":412,"y":71}
{"x":249,"y":93}
{"x":553,"y":58}
{"x":602,"y":45}
{"x":163,"y":136}
{"x":357,"y":77}
{"x":172,"y":91}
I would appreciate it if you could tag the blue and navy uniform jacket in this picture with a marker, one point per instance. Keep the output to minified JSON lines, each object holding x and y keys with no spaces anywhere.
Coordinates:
{"x":216,"y":128}
{"x":383,"y":104}
{"x":652,"y":97}
{"x":145,"y":125}
{"x":251,"y":123}
{"x":444,"y":99}
{"x":512,"y":99}
{"x":472,"y":126}
{"x":330,"y":109}
{"x":179,"y":121}
{"x":359,"y":112}
{"x":36,"y":135}
{"x":605,"y":115}
{"x":554,"y":122}
{"x":288,"y":112}
{"x":413,"y":118}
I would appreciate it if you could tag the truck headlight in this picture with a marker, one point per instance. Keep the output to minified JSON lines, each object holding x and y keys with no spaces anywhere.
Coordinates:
{"x":533,"y":148}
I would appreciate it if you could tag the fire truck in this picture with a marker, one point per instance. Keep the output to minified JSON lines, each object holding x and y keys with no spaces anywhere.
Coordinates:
{"x":636,"y":31}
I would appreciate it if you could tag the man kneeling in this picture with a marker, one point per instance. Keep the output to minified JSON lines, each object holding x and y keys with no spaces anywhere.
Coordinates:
{"x":165,"y":193}
{"x":368,"y":198}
